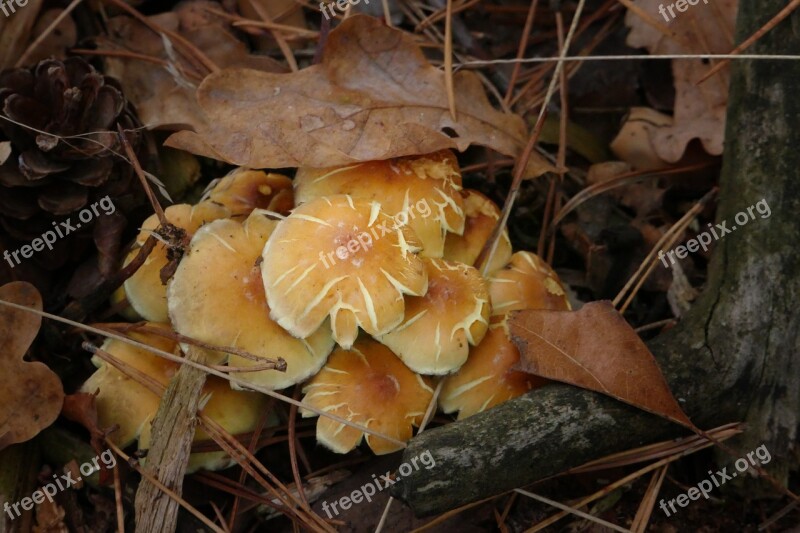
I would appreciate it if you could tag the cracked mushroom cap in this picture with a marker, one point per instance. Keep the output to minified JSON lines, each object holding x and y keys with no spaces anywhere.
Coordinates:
{"x":144,"y":290}
{"x":422,"y":190}
{"x":217,"y":296}
{"x":488,"y":377}
{"x":122,"y":400}
{"x":245,"y":190}
{"x":526,"y":282}
{"x":482,"y":216}
{"x":439,"y":327}
{"x":367,"y":385}
{"x":238,"y":412}
{"x":341,"y":258}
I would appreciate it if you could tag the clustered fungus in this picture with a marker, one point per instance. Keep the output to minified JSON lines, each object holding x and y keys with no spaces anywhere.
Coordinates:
{"x":489,"y":376}
{"x":130,"y":405}
{"x":377,"y":258}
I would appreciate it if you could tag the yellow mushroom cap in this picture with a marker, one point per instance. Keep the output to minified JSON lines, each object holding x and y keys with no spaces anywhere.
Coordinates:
{"x":488,"y":377}
{"x":367,"y":385}
{"x":125,"y":402}
{"x":424,"y":190}
{"x":481,"y":217}
{"x":526,"y":282}
{"x":340,"y":257}
{"x":244,"y":190}
{"x":122,"y":400}
{"x":238,"y":412}
{"x":438,"y":327}
{"x":217,"y":296}
{"x":144,"y":290}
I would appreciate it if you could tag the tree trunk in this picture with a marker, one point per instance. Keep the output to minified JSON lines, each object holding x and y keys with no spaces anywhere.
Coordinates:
{"x":733,"y":357}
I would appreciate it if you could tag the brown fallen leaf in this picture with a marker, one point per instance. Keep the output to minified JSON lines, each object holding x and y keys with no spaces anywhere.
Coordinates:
{"x":706,"y":28}
{"x":374,"y":96}
{"x":62,"y":37}
{"x":596,"y":349}
{"x":16,"y":33}
{"x":163,"y":93}
{"x":31,"y":394}
{"x":634,"y":143}
{"x":80,"y":407}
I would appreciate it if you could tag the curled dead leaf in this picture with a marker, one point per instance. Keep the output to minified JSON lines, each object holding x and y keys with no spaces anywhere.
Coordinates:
{"x":596,"y":349}
{"x":31,"y":394}
{"x":706,"y":28}
{"x":374,"y":96}
{"x":634,"y":142}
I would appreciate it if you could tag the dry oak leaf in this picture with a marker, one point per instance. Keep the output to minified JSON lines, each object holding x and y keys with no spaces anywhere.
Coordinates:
{"x":596,"y":349}
{"x":31,"y":394}
{"x":374,"y":96}
{"x":705,"y":28}
{"x":164,"y":94}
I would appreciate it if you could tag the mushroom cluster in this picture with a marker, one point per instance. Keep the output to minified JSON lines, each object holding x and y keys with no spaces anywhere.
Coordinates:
{"x":361,"y":278}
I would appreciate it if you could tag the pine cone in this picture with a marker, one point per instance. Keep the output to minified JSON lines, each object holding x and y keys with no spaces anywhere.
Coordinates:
{"x":61,"y":118}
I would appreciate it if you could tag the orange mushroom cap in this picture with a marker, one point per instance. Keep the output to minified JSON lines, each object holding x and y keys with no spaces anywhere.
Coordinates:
{"x":481,"y":217}
{"x":244,"y":190}
{"x":238,"y":412}
{"x":367,"y":385}
{"x":122,"y":400}
{"x":421,"y":190}
{"x":488,"y":377}
{"x":125,"y":402}
{"x":526,"y":282}
{"x":144,"y":290}
{"x":343,"y":258}
{"x":217,"y":296}
{"x":438,"y":327}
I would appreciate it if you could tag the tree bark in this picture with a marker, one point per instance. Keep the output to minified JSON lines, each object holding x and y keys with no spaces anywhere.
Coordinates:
{"x":733,"y":357}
